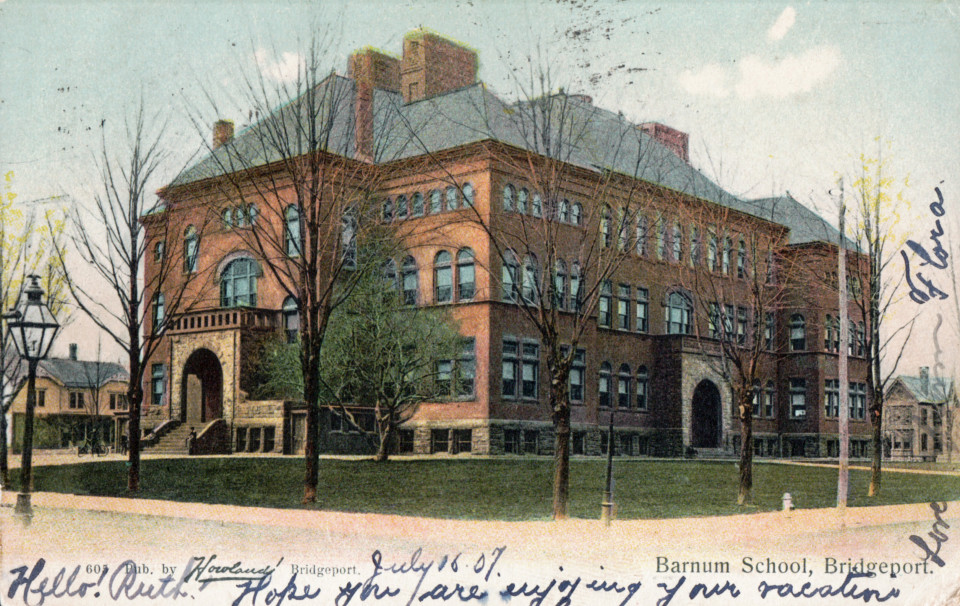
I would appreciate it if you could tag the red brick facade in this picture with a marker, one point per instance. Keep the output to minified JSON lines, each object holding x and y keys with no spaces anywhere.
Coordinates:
{"x":675,"y":398}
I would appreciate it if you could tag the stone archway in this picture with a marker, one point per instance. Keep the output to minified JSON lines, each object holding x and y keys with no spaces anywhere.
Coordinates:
{"x":201,"y":390}
{"x":706,"y":422}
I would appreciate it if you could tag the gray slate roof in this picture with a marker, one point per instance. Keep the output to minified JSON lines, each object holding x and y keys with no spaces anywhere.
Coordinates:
{"x":937,"y":391}
{"x":602,"y":140}
{"x":81,"y":373}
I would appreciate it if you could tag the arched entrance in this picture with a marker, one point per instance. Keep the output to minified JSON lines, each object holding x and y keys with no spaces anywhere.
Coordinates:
{"x":707,"y":416}
{"x":201,"y":392}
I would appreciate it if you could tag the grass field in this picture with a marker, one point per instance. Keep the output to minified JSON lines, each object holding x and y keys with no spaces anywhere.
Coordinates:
{"x":502,"y":489}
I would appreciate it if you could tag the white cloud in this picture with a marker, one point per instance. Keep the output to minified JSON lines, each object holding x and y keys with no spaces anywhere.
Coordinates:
{"x":782,"y":25}
{"x":284,"y":70}
{"x":792,"y":75}
{"x":709,"y":80}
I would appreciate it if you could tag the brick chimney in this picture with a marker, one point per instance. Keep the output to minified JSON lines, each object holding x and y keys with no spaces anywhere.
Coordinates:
{"x":925,"y":378}
{"x":73,"y":351}
{"x":433,"y":65}
{"x":370,"y":69}
{"x":222,"y":132}
{"x":674,"y":139}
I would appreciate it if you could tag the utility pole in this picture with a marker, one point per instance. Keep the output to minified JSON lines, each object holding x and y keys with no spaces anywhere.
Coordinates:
{"x":844,"y":476}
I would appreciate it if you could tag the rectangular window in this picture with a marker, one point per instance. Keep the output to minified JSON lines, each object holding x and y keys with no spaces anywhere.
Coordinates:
{"x":741,"y":325}
{"x":603,"y":308}
{"x":857,"y":393}
{"x":623,"y":308}
{"x":768,"y":401}
{"x":530,"y":370}
{"x":623,"y":390}
{"x":241,"y":439}
{"x":254,"y":445}
{"x":462,"y":440}
{"x":336,"y":421}
{"x":41,"y":398}
{"x":269,"y":438}
{"x":768,"y":329}
{"x":113,"y":401}
{"x":831,"y":397}
{"x":713,"y":322}
{"x":405,"y":441}
{"x":530,"y":440}
{"x":466,"y":368}
{"x":798,"y":398}
{"x":76,"y":400}
{"x":728,"y":322}
{"x":157,"y":375}
{"x":578,"y":440}
{"x":439,"y":440}
{"x":643,"y":310}
{"x":578,"y":371}
{"x":509,"y":373}
{"x":511,"y":441}
{"x":643,"y":382}
{"x":444,"y":378}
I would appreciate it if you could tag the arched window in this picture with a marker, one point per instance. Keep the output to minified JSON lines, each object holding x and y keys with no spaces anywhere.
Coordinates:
{"x":291,"y":232}
{"x":411,"y":282}
{"x":238,"y":284}
{"x":712,"y":253}
{"x":725,"y":258}
{"x":240,"y":217}
{"x":442,"y":278}
{"x":536,"y":205}
{"x":158,"y":311}
{"x":623,"y":230}
{"x":642,"y":235}
{"x":348,"y":238}
{"x":190,"y":249}
{"x":227,"y":218}
{"x":559,"y":291}
{"x":603,"y":388}
{"x":861,"y":339}
{"x":852,"y":339}
{"x":576,"y":213}
{"x":466,"y":276}
{"x":416,"y":205}
{"x":436,"y":201}
{"x":606,"y":234}
{"x":522,"y":197}
{"x":661,"y":238}
{"x":564,"y":211}
{"x":508,"y":198}
{"x":757,"y":400}
{"x":291,"y":319}
{"x":531,"y":281}
{"x":741,"y":260}
{"x":623,"y":386}
{"x":798,"y":333}
{"x":468,"y":195}
{"x":508,"y":276}
{"x":390,"y":275}
{"x":387,"y":213}
{"x":643,"y":380}
{"x":678,"y":314}
{"x":677,"y":243}
{"x":694,"y":246}
{"x":575,"y":301}
{"x":452,"y":198}
{"x":158,"y":251}
{"x":252,"y":214}
{"x":401,"y":207}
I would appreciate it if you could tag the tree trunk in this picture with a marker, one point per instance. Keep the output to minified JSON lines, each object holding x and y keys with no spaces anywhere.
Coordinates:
{"x":4,"y":458}
{"x":876,"y":418}
{"x":745,"y":496}
{"x":383,"y":452}
{"x":561,"y":453}
{"x":311,"y":393}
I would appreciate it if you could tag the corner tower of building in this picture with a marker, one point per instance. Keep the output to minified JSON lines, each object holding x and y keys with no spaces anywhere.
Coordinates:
{"x":433,"y":65}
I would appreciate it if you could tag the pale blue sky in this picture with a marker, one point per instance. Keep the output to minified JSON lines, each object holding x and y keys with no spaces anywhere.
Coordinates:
{"x":776,"y":96}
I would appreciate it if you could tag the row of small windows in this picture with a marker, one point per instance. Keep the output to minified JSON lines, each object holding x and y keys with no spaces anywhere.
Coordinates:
{"x":239,"y":216}
{"x":668,"y":244}
{"x":401,"y":207}
{"x":856,"y":336}
{"x":627,"y":398}
{"x":523,"y":202}
{"x":856,"y":399}
{"x":451,"y":281}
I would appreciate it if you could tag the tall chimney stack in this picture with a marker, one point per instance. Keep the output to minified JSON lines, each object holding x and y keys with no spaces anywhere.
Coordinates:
{"x":925,"y":378}
{"x":222,"y":132}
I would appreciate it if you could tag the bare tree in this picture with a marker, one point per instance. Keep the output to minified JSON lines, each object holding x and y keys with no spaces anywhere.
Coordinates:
{"x":555,"y":255}
{"x":121,"y":206}
{"x":301,"y":184}
{"x":734,"y":282}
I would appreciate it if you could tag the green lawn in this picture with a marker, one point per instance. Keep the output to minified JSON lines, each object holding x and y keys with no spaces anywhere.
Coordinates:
{"x":504,"y":489}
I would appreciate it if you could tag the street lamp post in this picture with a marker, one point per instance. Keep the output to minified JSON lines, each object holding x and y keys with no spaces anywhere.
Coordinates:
{"x":32,"y":327}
